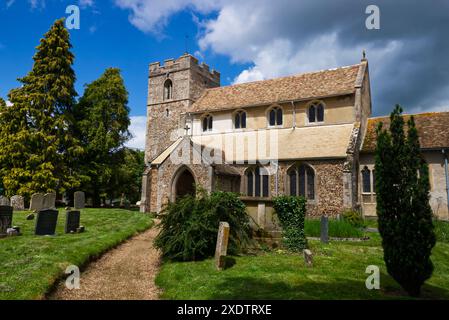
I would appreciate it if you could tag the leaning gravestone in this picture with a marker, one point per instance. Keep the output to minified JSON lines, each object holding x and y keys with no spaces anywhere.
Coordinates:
{"x":72,"y":221}
{"x":5,"y":219}
{"x":308,"y":257}
{"x":49,"y":201}
{"x":46,"y":222}
{"x":324,"y":229}
{"x":222,"y":245}
{"x":79,"y":200}
{"x":37,"y":202}
{"x":18,"y":203}
{"x":4,"y":201}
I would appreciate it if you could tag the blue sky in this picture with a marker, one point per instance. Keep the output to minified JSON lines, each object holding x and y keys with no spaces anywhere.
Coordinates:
{"x":245,"y":40}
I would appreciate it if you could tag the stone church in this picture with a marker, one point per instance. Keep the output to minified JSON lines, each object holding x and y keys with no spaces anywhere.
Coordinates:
{"x":309,"y":134}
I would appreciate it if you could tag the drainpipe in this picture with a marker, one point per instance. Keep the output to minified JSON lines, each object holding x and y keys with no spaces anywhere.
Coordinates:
{"x":446,"y":155}
{"x":294,"y":114}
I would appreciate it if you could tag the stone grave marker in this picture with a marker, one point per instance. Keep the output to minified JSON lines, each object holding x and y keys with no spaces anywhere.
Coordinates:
{"x":49,"y":201}
{"x":37,"y":202}
{"x":79,"y":200}
{"x":222,"y":245}
{"x":5,"y":219}
{"x":18,"y":203}
{"x":308,"y":257}
{"x":72,"y":221}
{"x":4,"y":201}
{"x":46,"y":222}
{"x":324,"y":229}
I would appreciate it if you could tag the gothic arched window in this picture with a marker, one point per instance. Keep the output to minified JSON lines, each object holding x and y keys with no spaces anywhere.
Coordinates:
{"x":240,"y":120}
{"x":366,"y":180}
{"x":301,"y":181}
{"x":316,"y":112}
{"x":275,"y":117}
{"x":207,"y":123}
{"x":257,"y":182}
{"x":168,"y":90}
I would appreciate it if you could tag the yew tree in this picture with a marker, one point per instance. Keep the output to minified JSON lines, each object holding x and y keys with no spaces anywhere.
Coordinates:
{"x":403,"y":209}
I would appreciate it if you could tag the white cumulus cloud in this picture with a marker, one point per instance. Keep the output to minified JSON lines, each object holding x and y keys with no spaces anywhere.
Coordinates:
{"x":138,"y":130}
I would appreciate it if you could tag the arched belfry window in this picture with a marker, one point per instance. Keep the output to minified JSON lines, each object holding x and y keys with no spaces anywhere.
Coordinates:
{"x":207,"y":123}
{"x":366,"y":180}
{"x":301,"y":181}
{"x":316,"y":112}
{"x":240,"y":120}
{"x":257,"y":182}
{"x":168,"y":90}
{"x":275,"y":117}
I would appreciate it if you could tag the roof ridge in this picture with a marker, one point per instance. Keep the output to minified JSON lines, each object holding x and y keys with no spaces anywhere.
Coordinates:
{"x":284,"y":77}
{"x":411,"y":114}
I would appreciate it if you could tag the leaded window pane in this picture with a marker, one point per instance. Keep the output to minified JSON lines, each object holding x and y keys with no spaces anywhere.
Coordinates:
{"x":312,"y":114}
{"x":310,"y":184}
{"x":243,"y":120}
{"x":279,"y":116}
{"x":366,"y":180}
{"x":320,"y":113}
{"x":293,"y":183}
{"x":249,"y":176}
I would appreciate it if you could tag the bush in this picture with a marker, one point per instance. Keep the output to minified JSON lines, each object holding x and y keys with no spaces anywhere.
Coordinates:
{"x":189,"y":226}
{"x":354,"y":218}
{"x":291,"y":212}
{"x":338,"y":229}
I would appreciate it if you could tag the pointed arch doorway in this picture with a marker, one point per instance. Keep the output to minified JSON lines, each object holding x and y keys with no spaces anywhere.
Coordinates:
{"x":183,"y":184}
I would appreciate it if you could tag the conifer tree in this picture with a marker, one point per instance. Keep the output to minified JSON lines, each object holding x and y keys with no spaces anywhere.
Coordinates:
{"x":36,"y":137}
{"x":102,"y":117}
{"x":403,"y":209}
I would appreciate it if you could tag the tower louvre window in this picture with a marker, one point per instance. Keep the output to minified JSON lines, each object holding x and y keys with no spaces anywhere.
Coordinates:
{"x":168,"y":90}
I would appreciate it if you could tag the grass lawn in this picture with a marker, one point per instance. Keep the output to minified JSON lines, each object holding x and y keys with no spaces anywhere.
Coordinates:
{"x":30,"y":265}
{"x":338,"y":273}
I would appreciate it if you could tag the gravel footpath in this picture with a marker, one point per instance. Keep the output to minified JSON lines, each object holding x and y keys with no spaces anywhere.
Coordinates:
{"x":124,"y":273}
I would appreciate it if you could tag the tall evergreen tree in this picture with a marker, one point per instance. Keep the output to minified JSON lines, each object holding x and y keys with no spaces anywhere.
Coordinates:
{"x":102,"y":116}
{"x":36,"y":137}
{"x":403,"y":209}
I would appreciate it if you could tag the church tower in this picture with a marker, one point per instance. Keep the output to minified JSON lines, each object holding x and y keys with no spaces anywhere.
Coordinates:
{"x":172,"y":89}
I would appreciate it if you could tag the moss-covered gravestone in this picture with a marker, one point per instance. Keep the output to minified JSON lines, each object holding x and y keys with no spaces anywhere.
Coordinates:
{"x":222,"y":245}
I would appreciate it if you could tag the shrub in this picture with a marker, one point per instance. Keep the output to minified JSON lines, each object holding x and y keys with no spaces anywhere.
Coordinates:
{"x":354,"y":218}
{"x":291,"y":212}
{"x":189,"y":226}
{"x":338,"y":229}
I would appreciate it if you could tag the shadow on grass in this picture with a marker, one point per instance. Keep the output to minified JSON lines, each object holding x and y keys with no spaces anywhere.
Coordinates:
{"x":239,"y":288}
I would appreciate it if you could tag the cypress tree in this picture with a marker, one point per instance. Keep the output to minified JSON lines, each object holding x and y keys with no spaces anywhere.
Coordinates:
{"x":36,"y":138}
{"x":403,"y":209}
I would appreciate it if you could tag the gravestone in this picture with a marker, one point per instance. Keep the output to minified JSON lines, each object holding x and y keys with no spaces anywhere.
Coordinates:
{"x":5,"y":219}
{"x":46,"y":222}
{"x":72,"y":221}
{"x":79,"y":200}
{"x":222,"y":245}
{"x":324,"y":229}
{"x":49,"y":201}
{"x":308,"y":257}
{"x":17,"y":203}
{"x":4,"y":201}
{"x":37,"y":202}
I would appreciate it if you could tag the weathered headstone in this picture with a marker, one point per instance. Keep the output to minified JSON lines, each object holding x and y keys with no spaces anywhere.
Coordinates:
{"x":37,"y":202}
{"x":46,"y":222}
{"x":18,"y":203}
{"x":222,"y":245}
{"x":79,"y":200}
{"x":4,"y":201}
{"x":308,"y":257}
{"x":49,"y":201}
{"x":72,"y":221}
{"x":324,"y":229}
{"x":5,"y":219}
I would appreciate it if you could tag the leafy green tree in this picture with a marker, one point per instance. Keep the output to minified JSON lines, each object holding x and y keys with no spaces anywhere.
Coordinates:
{"x":403,"y":210}
{"x":102,"y":116}
{"x":36,"y":136}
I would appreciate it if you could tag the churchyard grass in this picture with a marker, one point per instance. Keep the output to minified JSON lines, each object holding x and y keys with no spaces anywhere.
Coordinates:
{"x":337,"y":228}
{"x":441,"y":230}
{"x":338,"y":273}
{"x":30,"y":265}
